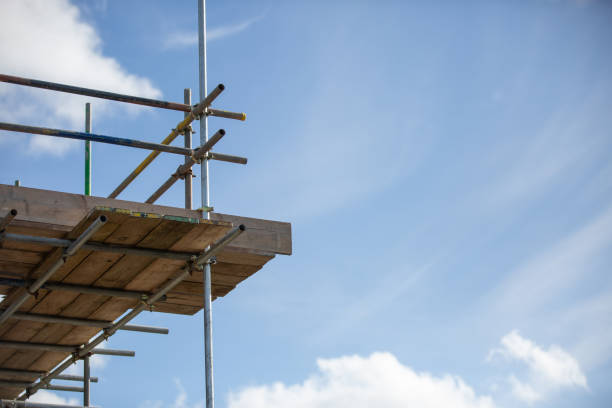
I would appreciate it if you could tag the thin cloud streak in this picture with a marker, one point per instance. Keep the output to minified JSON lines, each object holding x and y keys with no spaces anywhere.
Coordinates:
{"x":544,"y":278}
{"x":185,"y":39}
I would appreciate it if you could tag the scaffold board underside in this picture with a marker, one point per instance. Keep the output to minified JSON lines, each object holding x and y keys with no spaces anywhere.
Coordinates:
{"x":170,"y":229}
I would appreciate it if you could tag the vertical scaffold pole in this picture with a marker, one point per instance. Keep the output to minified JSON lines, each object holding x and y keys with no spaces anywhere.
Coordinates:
{"x":87,"y":150}
{"x":208,"y":348}
{"x":86,"y":380}
{"x":188,"y":177}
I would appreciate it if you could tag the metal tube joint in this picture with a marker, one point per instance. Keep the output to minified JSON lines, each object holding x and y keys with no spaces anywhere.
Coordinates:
{"x":199,"y":110}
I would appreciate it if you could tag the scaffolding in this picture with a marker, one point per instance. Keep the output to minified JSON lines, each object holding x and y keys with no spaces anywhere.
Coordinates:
{"x":88,"y":237}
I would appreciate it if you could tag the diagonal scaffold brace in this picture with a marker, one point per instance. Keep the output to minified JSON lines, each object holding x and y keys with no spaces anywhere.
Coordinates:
{"x":184,"y":169}
{"x":196,"y":263}
{"x":40,"y":281}
{"x":6,"y":220}
{"x":198,"y":111}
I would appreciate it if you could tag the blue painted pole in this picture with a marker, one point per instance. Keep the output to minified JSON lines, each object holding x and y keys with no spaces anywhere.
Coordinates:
{"x":95,"y":138}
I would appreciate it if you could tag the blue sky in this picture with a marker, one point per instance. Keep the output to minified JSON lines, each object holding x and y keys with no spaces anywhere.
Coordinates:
{"x":445,"y":166}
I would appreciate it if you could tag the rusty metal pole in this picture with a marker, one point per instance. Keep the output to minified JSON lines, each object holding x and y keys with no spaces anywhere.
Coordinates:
{"x":188,"y":176}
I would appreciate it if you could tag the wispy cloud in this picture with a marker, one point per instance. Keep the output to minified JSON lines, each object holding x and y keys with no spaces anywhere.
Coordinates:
{"x":556,"y":269}
{"x":351,"y":312}
{"x":181,"y":39}
{"x":548,"y":154}
{"x":591,"y":322}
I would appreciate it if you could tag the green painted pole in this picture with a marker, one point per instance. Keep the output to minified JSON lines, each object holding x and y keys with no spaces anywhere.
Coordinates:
{"x":87,"y":150}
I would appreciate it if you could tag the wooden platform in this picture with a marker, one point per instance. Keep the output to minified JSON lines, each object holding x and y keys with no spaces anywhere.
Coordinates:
{"x":61,"y":215}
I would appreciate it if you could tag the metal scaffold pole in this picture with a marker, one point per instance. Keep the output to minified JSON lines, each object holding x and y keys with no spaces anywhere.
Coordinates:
{"x":208,"y":348}
{"x":86,"y":380}
{"x":88,"y":149}
{"x":188,"y":176}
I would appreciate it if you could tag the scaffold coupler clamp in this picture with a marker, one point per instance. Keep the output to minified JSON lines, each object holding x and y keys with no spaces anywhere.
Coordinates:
{"x":106,"y":333}
{"x":75,"y":356}
{"x":33,"y":293}
{"x":185,"y":129}
{"x":206,"y":209}
{"x":197,"y":116}
{"x":182,"y":172}
{"x":193,"y":266}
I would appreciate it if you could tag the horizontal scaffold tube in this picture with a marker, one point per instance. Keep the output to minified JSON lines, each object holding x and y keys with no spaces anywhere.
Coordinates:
{"x":27,"y":404}
{"x":62,"y":388}
{"x":195,"y":113}
{"x":53,"y":86}
{"x":14,"y":383}
{"x":61,"y":348}
{"x":41,"y":280}
{"x":112,"y":352}
{"x":226,"y":114}
{"x":98,"y":246}
{"x":68,"y":377}
{"x":226,"y":158}
{"x":95,"y":138}
{"x":25,"y":384}
{"x":204,"y":257}
{"x":199,"y":154}
{"x":31,"y":373}
{"x":27,"y":373}
{"x":73,"y":321}
{"x":69,"y":287}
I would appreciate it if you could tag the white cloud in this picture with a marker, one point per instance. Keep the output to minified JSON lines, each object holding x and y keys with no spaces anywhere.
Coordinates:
{"x":180,"y":39}
{"x":524,"y":392}
{"x":376,"y":381}
{"x":48,"y":397}
{"x":49,"y":40}
{"x":185,"y":39}
{"x":548,"y":370}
